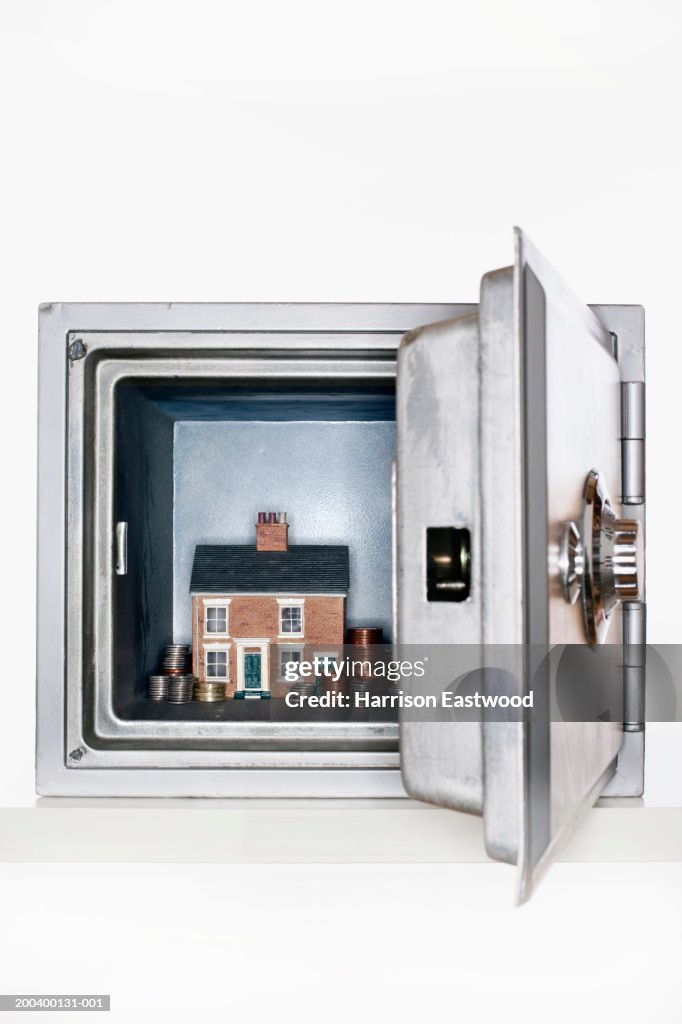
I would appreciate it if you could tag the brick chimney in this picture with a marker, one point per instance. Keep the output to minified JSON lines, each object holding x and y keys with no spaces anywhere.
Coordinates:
{"x":271,"y":531}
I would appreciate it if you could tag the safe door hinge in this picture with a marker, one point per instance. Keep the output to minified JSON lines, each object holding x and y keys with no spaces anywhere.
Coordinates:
{"x":634,"y":665}
{"x":632,"y":442}
{"x":633,"y":412}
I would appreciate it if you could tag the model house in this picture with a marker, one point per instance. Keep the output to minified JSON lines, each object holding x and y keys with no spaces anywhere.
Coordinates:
{"x":255,"y":607}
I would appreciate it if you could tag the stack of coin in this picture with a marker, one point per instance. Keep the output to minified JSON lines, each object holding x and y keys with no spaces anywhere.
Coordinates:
{"x":210,"y":693}
{"x":158,"y":687}
{"x":365,"y":636}
{"x":303,"y":686}
{"x":175,"y":659}
{"x":180,"y":688}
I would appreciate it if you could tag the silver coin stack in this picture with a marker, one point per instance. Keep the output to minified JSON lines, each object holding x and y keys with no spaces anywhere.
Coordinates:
{"x":303,"y":686}
{"x":175,"y":658}
{"x":180,"y":689}
{"x":158,"y":687}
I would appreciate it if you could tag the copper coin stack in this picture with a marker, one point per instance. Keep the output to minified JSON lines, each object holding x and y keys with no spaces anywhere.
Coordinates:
{"x":210,"y":693}
{"x":363,"y":637}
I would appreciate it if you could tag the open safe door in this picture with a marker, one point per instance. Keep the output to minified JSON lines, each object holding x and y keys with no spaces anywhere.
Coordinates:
{"x":512,"y":544}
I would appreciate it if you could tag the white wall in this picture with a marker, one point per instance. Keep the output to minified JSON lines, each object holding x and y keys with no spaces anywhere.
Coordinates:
{"x":339,"y":151}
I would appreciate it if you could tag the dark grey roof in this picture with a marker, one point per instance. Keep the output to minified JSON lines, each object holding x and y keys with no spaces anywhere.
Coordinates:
{"x":240,"y":569}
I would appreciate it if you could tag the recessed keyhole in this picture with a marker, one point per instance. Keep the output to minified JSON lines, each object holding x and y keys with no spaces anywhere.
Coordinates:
{"x":448,"y":563}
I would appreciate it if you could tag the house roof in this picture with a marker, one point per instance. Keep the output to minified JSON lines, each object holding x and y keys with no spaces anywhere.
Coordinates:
{"x":241,"y":569}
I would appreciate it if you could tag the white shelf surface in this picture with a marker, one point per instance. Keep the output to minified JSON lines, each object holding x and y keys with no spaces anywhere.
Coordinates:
{"x":305,"y":831}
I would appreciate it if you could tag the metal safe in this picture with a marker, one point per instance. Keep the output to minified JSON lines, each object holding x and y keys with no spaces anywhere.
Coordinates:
{"x":512,"y":429}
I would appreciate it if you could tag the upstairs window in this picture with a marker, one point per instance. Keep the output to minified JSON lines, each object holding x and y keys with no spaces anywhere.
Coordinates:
{"x":291,"y":620}
{"x":215,"y":623}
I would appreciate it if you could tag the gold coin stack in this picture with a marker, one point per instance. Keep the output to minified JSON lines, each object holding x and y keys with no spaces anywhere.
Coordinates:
{"x":210,"y":693}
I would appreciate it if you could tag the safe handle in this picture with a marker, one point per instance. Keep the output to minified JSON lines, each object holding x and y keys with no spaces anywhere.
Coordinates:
{"x":121,"y":549}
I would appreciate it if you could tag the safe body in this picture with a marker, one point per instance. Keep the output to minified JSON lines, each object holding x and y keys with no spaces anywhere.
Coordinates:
{"x":502,"y":409}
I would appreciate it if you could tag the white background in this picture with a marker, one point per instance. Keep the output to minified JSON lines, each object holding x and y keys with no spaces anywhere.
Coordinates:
{"x":361,"y":151}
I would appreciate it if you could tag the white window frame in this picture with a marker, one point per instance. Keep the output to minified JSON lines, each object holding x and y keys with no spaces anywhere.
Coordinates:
{"x":285,"y":650}
{"x":222,"y":602}
{"x":291,"y":602}
{"x":215,"y":648}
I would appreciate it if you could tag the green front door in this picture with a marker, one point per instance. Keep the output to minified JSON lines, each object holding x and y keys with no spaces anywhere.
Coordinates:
{"x":252,"y":671}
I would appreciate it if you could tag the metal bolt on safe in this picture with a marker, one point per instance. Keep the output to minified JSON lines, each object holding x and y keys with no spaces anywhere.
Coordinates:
{"x":77,"y":350}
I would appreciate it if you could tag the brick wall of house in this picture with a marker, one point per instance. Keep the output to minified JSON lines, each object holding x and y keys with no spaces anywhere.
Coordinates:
{"x":258,"y":617}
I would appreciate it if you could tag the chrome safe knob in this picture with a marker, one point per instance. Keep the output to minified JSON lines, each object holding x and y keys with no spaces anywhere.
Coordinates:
{"x":601,"y":562}
{"x":619,"y":559}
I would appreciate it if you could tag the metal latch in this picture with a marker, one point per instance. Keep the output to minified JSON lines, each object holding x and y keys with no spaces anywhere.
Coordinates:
{"x":121,"y":549}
